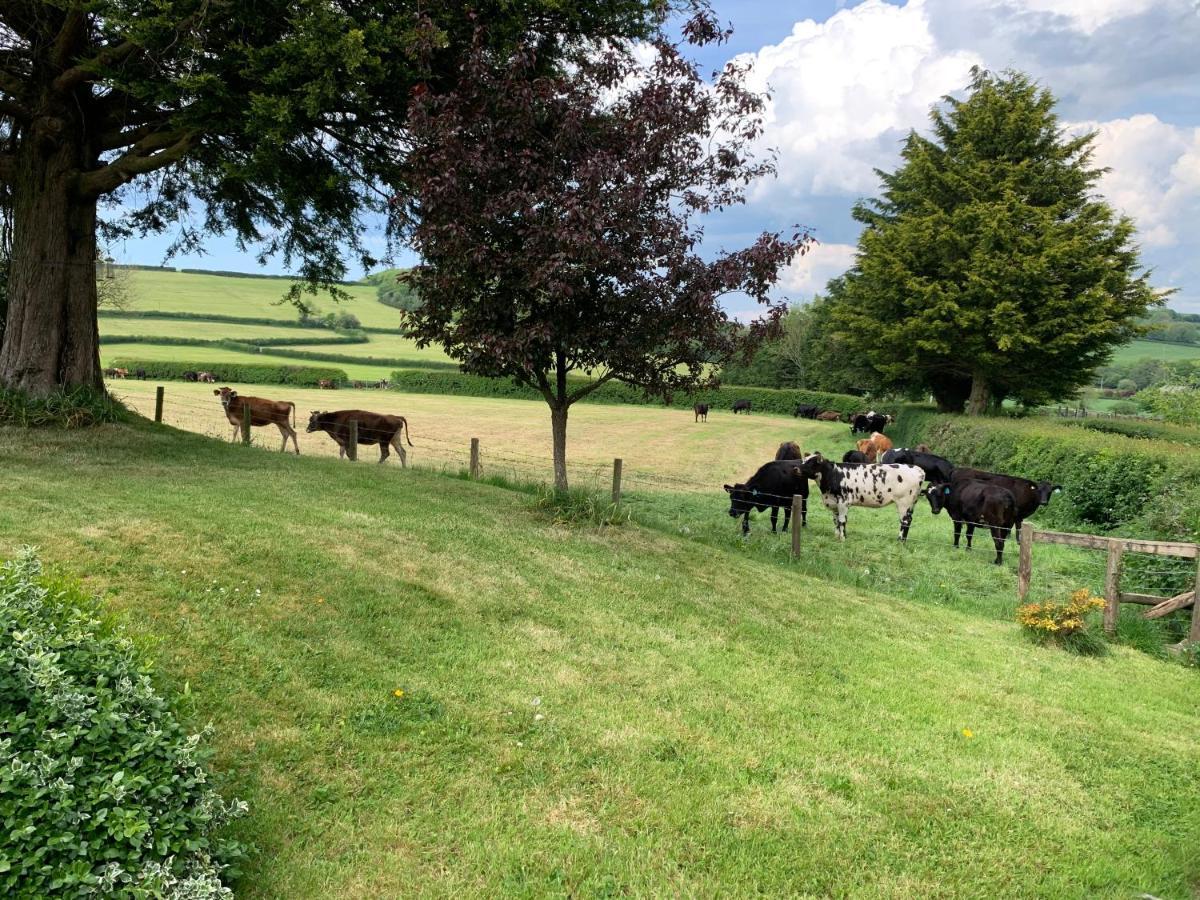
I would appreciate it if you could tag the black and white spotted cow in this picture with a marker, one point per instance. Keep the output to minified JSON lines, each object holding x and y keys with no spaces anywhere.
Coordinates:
{"x":843,"y":486}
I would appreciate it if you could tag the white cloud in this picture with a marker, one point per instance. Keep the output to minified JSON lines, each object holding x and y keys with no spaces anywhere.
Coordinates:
{"x":846,"y":91}
{"x":1154,"y":173}
{"x":1085,"y":15}
{"x":808,"y":274}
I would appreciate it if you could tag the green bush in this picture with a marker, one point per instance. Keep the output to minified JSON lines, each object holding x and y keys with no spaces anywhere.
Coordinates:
{"x":243,"y":373}
{"x":1143,"y":487}
{"x":780,"y":402}
{"x":102,"y":792}
{"x":65,"y":408}
{"x":1144,"y":429}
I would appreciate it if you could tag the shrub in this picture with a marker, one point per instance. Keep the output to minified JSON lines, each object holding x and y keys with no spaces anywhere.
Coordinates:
{"x":579,"y":507}
{"x":781,"y":402}
{"x":1125,"y":408}
{"x":243,"y":373}
{"x":103,"y":791}
{"x":65,"y":408}
{"x":1070,"y":624}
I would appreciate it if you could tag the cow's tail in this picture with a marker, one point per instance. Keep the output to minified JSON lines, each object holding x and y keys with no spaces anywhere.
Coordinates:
{"x":293,"y":406}
{"x":407,"y":430}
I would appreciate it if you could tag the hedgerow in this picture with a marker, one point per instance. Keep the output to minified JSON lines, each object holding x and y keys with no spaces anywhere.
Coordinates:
{"x":244,"y":373}
{"x":246,"y":345}
{"x":316,"y":324}
{"x":781,"y":402}
{"x":103,"y":792}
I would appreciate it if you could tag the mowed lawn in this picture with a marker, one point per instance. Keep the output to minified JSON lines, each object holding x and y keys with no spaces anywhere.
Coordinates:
{"x":599,"y":712}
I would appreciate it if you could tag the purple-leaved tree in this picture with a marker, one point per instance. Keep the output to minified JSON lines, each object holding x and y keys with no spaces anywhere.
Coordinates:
{"x":558,"y":217}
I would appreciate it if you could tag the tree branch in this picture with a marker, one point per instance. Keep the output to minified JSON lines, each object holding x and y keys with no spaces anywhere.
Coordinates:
{"x":14,"y":109}
{"x":86,"y":70}
{"x":171,"y":146}
{"x":588,"y":388}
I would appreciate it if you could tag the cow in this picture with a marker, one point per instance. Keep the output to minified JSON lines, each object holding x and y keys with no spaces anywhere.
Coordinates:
{"x":829,"y":415}
{"x":116,"y":373}
{"x":359,"y":385}
{"x":855,"y":458}
{"x":937,"y":469}
{"x":207,"y":377}
{"x":874,"y":446}
{"x":865,"y":423}
{"x":772,"y":486}
{"x":977,"y":503}
{"x":741,"y":406}
{"x":805,"y":411}
{"x":700,"y":411}
{"x":382,"y":384}
{"x":789,"y":450}
{"x":140,"y":374}
{"x":872,"y":486}
{"x":262,"y":412}
{"x":1030,"y":495}
{"x":191,"y":376}
{"x":373,"y":428}
{"x":326,"y":384}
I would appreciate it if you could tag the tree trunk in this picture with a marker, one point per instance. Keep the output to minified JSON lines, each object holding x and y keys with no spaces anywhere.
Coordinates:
{"x":981,"y":395}
{"x":51,"y":339}
{"x":950,"y":392}
{"x":558,"y":425}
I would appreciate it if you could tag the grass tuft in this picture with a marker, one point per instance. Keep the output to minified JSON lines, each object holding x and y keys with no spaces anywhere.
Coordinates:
{"x":579,"y":507}
{"x":79,"y":407}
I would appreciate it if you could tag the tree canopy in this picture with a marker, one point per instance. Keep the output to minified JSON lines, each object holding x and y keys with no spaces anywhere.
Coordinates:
{"x":556,"y":215}
{"x":989,"y":268}
{"x":279,"y":121}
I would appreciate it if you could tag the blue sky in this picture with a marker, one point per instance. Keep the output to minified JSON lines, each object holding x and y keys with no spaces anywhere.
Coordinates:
{"x":848,"y":79}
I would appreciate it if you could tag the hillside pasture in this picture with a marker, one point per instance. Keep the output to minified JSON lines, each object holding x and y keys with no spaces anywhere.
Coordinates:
{"x":112,"y":327}
{"x":214,"y":356}
{"x":1138,"y":350}
{"x":599,"y":712}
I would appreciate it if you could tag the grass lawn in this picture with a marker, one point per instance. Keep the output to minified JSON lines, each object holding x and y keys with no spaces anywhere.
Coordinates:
{"x":592,"y":713}
{"x":1136,"y":350}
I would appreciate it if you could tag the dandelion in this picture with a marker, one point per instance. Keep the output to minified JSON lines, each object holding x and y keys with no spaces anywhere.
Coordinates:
{"x":397,"y":693}
{"x":538,"y":717}
{"x":968,"y":733}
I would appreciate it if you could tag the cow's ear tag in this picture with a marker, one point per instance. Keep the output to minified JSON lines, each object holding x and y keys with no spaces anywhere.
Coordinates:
{"x":755,"y":492}
{"x":945,"y":490}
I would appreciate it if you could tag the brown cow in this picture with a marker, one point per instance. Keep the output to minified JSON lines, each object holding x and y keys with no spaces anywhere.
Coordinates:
{"x":207,"y":377}
{"x":373,"y":428}
{"x":262,"y":412}
{"x":326,"y":385}
{"x":829,"y":415}
{"x":874,"y":446}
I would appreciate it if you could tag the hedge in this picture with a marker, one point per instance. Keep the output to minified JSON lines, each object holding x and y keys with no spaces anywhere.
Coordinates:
{"x":1138,"y":486}
{"x":769,"y":400}
{"x":249,"y":345}
{"x":1140,"y":428}
{"x":103,"y":792}
{"x":315,"y":324}
{"x":243,"y":373}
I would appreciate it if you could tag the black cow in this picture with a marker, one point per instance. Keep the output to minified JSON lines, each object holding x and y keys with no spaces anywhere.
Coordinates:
{"x":772,"y":486}
{"x":191,"y":376}
{"x":937,"y":469}
{"x":741,"y":406}
{"x":856,"y":458}
{"x":977,"y":503}
{"x":1029,"y":494}
{"x":700,"y":410}
{"x":789,"y":450}
{"x":140,"y":374}
{"x":865,"y":423}
{"x":806,"y":411}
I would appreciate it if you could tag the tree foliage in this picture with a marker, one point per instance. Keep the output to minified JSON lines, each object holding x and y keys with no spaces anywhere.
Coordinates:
{"x":988,"y":268}
{"x":556,"y":214}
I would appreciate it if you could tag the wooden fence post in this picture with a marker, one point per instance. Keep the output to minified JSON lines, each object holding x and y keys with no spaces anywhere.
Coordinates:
{"x":1112,"y":586}
{"x":797,"y":519}
{"x":352,"y":443}
{"x":246,"y":424}
{"x":1194,"y":631}
{"x":616,"y":492}
{"x":474,"y":459}
{"x":1024,"y":560}
{"x":158,"y":403}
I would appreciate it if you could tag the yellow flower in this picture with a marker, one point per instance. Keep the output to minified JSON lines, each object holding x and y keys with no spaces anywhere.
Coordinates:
{"x":320,"y":599}
{"x":397,"y":693}
{"x":968,"y":733}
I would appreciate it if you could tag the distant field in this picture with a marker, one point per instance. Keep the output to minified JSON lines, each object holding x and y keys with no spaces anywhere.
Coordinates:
{"x":205,"y":331}
{"x":215,"y":356}
{"x":1136,"y":350}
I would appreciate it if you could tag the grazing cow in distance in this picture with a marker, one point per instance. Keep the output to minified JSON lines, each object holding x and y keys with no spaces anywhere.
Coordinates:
{"x":855,"y":458}
{"x":191,"y":376}
{"x":359,"y":385}
{"x":829,"y":415}
{"x":117,"y":373}
{"x":140,"y":374}
{"x":741,"y":406}
{"x":977,"y":503}
{"x":844,"y":486}
{"x":805,"y":411}
{"x":262,"y":412}
{"x":865,"y":423}
{"x":1030,"y":495}
{"x":382,"y":384}
{"x":772,"y":487}
{"x":373,"y":428}
{"x":874,"y":446}
{"x":207,"y":377}
{"x":326,"y":384}
{"x":700,"y":411}
{"x":937,"y":469}
{"x":789,"y":450}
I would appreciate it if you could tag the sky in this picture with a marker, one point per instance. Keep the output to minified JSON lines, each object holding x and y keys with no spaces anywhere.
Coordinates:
{"x":848,"y":80}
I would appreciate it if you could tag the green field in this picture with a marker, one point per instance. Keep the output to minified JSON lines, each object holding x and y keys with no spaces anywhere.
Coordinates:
{"x":1136,"y":350}
{"x":206,"y":331}
{"x":657,"y":709}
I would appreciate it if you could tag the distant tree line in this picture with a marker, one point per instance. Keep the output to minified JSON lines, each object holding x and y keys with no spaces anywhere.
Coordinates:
{"x":1172,"y":327}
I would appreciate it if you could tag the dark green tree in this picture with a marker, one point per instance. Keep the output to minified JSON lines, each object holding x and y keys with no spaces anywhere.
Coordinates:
{"x":279,"y":121}
{"x":989,"y":268}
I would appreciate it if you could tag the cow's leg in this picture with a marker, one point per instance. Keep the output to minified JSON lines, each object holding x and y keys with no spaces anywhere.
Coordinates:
{"x":787,"y":517}
{"x":905,"y":523}
{"x":283,"y":434}
{"x":236,"y":429}
{"x":384,"y":452}
{"x":970,"y":533}
{"x":839,"y":519}
{"x":399,"y":445}
{"x":957,"y":532}
{"x":803,"y":512}
{"x":998,"y":535}
{"x":295,"y":443}
{"x":774,"y":518}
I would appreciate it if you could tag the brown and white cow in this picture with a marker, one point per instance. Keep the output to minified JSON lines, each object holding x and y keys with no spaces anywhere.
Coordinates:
{"x":262,"y":412}
{"x":875,"y":446}
{"x":373,"y":428}
{"x":829,"y":415}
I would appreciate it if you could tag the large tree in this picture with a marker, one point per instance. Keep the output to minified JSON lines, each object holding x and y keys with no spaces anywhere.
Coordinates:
{"x":280,"y":121}
{"x":989,"y":268}
{"x":556,"y":215}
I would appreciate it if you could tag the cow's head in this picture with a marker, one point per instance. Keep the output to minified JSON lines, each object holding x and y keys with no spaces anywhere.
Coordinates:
{"x":937,"y":497}
{"x":741,"y":499}
{"x":811,"y":466}
{"x":866,"y":447}
{"x":1046,"y":490}
{"x":314,"y":421}
{"x":227,"y":396}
